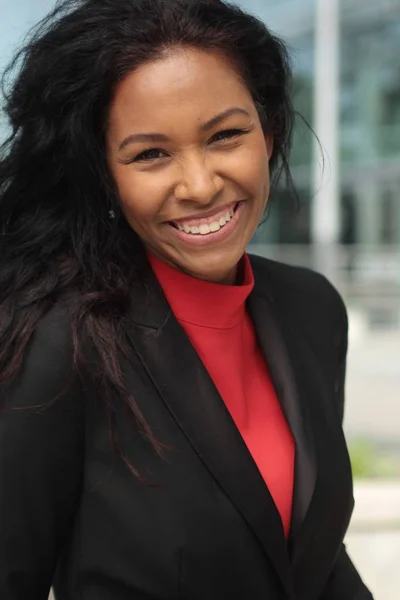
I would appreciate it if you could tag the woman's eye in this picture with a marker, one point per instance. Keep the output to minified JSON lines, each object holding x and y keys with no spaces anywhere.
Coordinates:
{"x":151,"y":154}
{"x":228,"y":134}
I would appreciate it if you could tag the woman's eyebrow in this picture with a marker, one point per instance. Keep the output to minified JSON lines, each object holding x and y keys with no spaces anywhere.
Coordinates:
{"x":222,"y":116}
{"x":143,"y":137}
{"x":160,"y":137}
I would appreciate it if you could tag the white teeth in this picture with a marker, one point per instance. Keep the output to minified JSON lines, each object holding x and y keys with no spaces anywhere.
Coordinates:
{"x":204,"y":229}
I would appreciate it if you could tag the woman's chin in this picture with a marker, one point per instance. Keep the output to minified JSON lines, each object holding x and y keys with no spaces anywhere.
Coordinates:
{"x":225,"y":274}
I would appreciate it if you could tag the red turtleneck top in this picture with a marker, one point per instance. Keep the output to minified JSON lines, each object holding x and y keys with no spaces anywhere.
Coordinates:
{"x":215,"y":320}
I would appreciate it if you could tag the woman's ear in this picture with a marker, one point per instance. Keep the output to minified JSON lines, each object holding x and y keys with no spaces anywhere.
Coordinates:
{"x":269,"y":142}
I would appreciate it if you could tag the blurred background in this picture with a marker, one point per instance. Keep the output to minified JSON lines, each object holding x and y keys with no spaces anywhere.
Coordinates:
{"x":346,"y":59}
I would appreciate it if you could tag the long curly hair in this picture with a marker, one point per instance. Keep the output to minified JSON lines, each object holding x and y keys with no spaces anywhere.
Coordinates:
{"x":56,"y":239}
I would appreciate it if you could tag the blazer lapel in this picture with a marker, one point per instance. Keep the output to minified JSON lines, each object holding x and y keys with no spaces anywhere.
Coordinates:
{"x":192,"y":399}
{"x":281,"y":349}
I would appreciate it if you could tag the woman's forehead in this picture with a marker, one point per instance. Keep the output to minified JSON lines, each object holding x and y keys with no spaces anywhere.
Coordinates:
{"x":190,"y":83}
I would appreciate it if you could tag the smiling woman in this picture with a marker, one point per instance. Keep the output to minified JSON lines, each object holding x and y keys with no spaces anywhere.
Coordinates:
{"x":170,"y":407}
{"x":210,"y":157}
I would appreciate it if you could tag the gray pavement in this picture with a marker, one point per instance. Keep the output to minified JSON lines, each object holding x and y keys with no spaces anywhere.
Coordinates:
{"x":373,"y":384}
{"x":376,"y":554}
{"x":373,"y":541}
{"x":373,"y":413}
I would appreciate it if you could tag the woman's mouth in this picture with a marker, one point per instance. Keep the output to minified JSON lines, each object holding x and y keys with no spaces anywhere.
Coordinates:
{"x":211,"y":229}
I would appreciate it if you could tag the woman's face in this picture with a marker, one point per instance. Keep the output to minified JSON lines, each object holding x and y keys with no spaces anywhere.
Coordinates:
{"x":187,"y":152}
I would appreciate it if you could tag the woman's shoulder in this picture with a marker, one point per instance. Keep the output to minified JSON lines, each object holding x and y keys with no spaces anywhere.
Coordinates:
{"x":281,"y":278}
{"x":54,"y":326}
{"x":46,"y":367}
{"x":302,"y":293}
{"x":51,"y":341}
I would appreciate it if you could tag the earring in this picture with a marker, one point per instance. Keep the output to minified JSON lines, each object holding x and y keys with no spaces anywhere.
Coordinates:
{"x":111,"y":214}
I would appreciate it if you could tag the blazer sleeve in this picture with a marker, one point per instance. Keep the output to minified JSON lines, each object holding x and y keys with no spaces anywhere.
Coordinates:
{"x":41,"y":450}
{"x":344,"y":582}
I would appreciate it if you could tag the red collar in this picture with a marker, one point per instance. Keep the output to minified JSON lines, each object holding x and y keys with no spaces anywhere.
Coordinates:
{"x":202,"y":302}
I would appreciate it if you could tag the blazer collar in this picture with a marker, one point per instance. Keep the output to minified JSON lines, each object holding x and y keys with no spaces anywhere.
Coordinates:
{"x":174,"y":368}
{"x":282,"y":346}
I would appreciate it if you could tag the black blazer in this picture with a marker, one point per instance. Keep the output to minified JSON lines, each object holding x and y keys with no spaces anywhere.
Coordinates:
{"x":205,"y":526}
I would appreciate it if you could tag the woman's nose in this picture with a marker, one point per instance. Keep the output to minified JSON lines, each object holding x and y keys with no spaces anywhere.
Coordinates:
{"x":199,"y":183}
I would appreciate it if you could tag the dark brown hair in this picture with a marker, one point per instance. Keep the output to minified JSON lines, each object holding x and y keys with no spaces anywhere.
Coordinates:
{"x":56,"y":238}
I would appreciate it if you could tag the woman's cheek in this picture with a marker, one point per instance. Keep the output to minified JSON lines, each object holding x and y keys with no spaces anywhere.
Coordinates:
{"x":141,"y":201}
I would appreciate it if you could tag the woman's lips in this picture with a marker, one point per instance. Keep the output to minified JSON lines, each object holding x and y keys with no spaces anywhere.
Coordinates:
{"x":206,"y":217}
{"x":199,"y":239}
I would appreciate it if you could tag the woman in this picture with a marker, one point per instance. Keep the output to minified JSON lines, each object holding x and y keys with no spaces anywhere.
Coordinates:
{"x":170,"y":406}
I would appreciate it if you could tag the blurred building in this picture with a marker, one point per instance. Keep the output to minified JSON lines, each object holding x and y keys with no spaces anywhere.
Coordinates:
{"x":368,"y":112}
